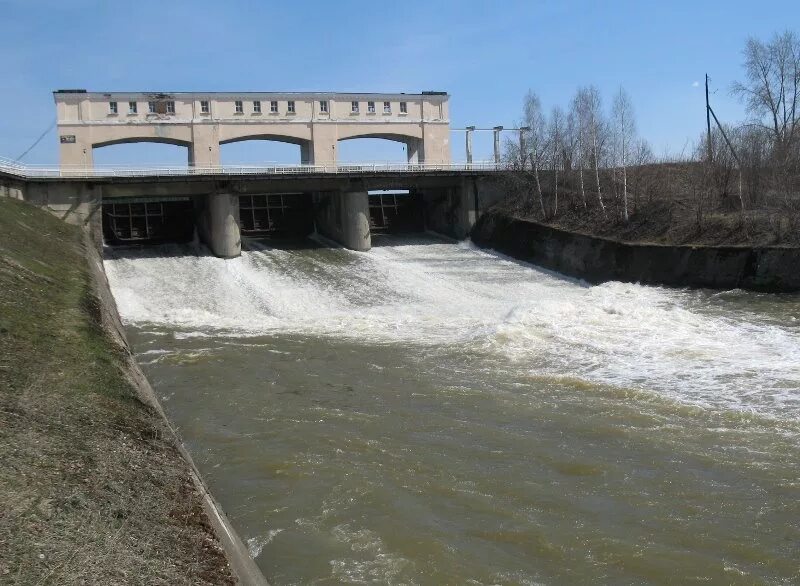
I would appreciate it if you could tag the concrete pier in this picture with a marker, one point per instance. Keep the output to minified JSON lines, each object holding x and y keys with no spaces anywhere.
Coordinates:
{"x":218,"y":224}
{"x":344,"y":218}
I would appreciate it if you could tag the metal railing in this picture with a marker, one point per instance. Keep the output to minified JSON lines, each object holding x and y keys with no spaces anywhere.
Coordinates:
{"x":67,"y":171}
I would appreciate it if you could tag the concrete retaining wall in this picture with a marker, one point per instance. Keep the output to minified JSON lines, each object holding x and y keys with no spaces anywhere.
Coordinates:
{"x":771,"y":269}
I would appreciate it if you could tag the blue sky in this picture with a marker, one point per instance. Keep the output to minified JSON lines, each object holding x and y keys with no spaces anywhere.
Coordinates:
{"x":485,"y":54}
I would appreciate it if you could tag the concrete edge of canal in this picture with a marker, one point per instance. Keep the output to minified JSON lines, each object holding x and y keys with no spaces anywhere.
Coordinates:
{"x":243,"y":566}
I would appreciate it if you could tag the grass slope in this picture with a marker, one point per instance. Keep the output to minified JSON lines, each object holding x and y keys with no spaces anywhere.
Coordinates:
{"x":92,"y":491}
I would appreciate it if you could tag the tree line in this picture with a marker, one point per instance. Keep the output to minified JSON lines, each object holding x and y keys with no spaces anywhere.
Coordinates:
{"x":586,"y":159}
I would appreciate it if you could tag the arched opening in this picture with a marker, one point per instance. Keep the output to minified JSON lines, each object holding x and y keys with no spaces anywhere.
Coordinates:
{"x":265,"y":151}
{"x":376,"y":149}
{"x":144,"y":153}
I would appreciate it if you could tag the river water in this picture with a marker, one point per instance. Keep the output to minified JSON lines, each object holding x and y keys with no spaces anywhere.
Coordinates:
{"x":432,"y":413}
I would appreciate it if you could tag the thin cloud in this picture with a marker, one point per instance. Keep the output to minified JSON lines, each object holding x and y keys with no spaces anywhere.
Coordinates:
{"x":696,"y":84}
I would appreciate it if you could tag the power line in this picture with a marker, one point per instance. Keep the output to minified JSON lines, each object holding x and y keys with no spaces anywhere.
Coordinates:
{"x":38,"y":140}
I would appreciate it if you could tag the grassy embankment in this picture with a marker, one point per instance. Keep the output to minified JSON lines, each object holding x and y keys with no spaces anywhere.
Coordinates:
{"x":92,"y":487}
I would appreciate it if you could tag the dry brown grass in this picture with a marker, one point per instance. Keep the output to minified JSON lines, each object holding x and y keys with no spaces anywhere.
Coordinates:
{"x":667,"y":204}
{"x":93,"y":490}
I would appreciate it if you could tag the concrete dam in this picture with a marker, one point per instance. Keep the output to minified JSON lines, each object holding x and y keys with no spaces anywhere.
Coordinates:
{"x":345,"y":207}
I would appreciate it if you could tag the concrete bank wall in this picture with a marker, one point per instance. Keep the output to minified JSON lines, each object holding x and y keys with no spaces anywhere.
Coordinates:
{"x":770,"y":269}
{"x":243,"y":566}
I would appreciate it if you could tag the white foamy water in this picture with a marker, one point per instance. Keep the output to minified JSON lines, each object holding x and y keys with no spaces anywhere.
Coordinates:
{"x":444,"y":294}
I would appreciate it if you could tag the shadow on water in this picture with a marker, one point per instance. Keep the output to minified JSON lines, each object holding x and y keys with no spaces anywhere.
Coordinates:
{"x":409,"y":239}
{"x":164,"y":250}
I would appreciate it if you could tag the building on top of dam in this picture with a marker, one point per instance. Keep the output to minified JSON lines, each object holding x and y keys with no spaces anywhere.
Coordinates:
{"x":202,"y":121}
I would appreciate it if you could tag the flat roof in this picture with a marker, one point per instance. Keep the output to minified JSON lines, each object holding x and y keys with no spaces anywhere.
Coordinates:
{"x":165,"y":95}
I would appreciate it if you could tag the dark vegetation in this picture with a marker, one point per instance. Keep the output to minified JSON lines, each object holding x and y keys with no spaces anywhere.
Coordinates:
{"x":93,"y":489}
{"x":588,"y":171}
{"x":668,"y":204}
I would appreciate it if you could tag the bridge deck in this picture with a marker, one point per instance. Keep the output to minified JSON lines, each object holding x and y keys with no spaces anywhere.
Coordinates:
{"x":37,"y":172}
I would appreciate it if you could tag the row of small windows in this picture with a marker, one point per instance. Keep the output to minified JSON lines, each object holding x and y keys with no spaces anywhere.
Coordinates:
{"x":168,"y":107}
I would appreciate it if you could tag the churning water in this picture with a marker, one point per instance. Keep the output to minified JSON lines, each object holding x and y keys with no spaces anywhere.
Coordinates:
{"x":430,"y":413}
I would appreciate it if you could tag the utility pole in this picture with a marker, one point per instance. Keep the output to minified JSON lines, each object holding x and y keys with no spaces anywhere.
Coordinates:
{"x":708,"y":125}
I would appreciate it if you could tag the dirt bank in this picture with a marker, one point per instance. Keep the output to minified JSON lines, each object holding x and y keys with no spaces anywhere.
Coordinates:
{"x":93,"y":485}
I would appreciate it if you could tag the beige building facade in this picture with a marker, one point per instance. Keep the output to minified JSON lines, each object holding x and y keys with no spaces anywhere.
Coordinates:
{"x":204,"y":121}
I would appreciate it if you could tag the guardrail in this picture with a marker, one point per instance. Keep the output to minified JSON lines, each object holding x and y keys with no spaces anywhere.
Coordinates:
{"x":40,"y":171}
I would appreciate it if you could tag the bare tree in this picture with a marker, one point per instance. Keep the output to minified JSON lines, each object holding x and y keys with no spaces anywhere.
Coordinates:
{"x":555,"y":139}
{"x":772,"y":90}
{"x":537,"y":147}
{"x":592,"y":108}
{"x":579,"y":116}
{"x":624,"y":135}
{"x":642,"y":156}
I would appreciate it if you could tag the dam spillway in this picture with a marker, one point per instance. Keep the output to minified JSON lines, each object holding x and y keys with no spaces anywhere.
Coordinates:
{"x":431,"y":412}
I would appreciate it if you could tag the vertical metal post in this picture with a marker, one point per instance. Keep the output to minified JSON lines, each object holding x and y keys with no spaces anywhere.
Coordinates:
{"x":497,"y":130}
{"x":708,"y":125}
{"x":522,"y":153}
{"x":470,"y":130}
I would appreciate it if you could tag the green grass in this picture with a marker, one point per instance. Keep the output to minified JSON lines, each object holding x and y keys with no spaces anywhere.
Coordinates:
{"x":91,"y":485}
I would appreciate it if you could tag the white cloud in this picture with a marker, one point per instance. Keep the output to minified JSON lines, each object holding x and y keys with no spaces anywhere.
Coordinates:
{"x":696,"y":84}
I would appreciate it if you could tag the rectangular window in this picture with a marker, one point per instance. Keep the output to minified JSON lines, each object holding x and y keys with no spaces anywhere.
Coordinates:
{"x":256,"y":107}
{"x":170,"y":107}
{"x":354,"y":107}
{"x":273,"y":107}
{"x":132,"y":108}
{"x":290,"y":107}
{"x":323,"y":106}
{"x":387,"y":107}
{"x":239,"y":107}
{"x":403,"y":107}
{"x":112,"y":107}
{"x":371,"y":107}
{"x":204,"y":107}
{"x":151,"y":107}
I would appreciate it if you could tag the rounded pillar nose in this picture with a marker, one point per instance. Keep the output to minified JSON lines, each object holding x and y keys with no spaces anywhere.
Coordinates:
{"x":355,"y":219}
{"x":219,"y":225}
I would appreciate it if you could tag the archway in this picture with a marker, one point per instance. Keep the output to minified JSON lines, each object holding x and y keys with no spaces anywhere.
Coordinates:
{"x":377,"y":149}
{"x":141,"y":153}
{"x":264,"y":150}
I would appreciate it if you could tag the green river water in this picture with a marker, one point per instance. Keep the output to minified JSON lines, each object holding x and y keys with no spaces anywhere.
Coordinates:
{"x":431,"y":413}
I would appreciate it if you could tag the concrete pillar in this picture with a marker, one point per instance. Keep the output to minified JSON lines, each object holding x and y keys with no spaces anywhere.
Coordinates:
{"x":323,"y":144}
{"x":75,"y":149}
{"x":497,"y":130}
{"x":414,"y":151}
{"x":344,"y":218}
{"x":204,"y":150}
{"x":356,"y":220}
{"x":218,"y":224}
{"x":451,"y":210}
{"x":523,"y":154}
{"x":436,"y":144}
{"x":470,"y":130}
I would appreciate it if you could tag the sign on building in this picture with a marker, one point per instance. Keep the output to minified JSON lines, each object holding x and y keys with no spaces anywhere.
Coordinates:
{"x":67,"y":138}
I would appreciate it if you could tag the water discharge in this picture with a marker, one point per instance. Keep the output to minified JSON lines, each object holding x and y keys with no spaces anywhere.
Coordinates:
{"x":432,"y":413}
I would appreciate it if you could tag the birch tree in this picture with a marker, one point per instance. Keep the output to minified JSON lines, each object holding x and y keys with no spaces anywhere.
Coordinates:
{"x":592,"y":108}
{"x":579,"y":117}
{"x":555,"y":139}
{"x":537,"y":139}
{"x":624,"y":135}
